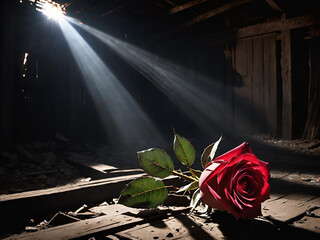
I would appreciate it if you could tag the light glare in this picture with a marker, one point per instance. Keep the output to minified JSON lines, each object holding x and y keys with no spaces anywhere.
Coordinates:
{"x":25,"y":59}
{"x":51,"y":9}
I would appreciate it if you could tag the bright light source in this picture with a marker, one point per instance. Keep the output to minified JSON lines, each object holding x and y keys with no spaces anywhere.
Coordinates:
{"x":25,"y":59}
{"x":51,"y":9}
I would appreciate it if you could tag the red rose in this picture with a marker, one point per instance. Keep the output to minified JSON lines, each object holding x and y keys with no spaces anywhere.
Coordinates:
{"x":236,"y":181}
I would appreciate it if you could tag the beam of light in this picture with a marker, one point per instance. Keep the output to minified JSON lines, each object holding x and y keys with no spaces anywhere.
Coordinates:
{"x":112,"y":100}
{"x":51,"y":9}
{"x":204,"y":108}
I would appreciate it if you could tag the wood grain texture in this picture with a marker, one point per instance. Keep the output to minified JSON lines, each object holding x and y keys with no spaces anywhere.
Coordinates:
{"x":278,"y":25}
{"x":286,"y":85}
{"x":270,"y":83}
{"x":185,"y":6}
{"x":257,"y":85}
{"x":312,"y":128}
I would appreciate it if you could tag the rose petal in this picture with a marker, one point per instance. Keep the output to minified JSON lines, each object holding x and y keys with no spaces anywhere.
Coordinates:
{"x":265,"y":169}
{"x":213,"y":192}
{"x":251,"y":213}
{"x":253,"y":159}
{"x":208,"y":199}
{"x":229,"y":197}
{"x":265,"y":191}
{"x":229,"y":167}
{"x":239,"y":205}
{"x":242,"y":202}
{"x":241,"y":149}
{"x":206,"y":175}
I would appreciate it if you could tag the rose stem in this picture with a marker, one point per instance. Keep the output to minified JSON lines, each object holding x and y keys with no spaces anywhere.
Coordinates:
{"x":191,"y":179}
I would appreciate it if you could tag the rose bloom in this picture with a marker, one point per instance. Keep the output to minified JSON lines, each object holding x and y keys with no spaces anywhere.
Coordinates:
{"x":237,"y":182}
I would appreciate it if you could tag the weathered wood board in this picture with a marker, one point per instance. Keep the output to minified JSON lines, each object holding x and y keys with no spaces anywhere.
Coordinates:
{"x":119,"y":222}
{"x":309,"y":223}
{"x":255,"y":85}
{"x":290,"y":214}
{"x":116,"y":218}
{"x":285,"y":208}
{"x":286,"y":84}
{"x":36,"y":204}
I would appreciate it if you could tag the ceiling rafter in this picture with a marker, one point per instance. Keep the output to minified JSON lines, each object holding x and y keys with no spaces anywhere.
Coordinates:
{"x":215,"y":12}
{"x":203,"y":17}
{"x":274,"y":5}
{"x":187,"y":5}
{"x":116,"y":8}
{"x":171,"y":3}
{"x":157,"y":4}
{"x":98,"y":5}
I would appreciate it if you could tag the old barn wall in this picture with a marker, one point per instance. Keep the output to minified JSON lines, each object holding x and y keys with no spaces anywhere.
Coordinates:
{"x":312,"y":127}
{"x":256,"y":74}
{"x":270,"y":78}
{"x":255,"y":85}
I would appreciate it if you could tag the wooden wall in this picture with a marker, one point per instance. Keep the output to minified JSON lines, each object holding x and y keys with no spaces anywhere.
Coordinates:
{"x":255,"y":85}
{"x":312,"y":128}
{"x":268,"y":71}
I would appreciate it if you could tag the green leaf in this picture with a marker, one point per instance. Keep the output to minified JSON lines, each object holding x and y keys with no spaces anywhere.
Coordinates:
{"x":195,"y":199}
{"x":184,"y":150}
{"x":192,"y":186}
{"x":209,"y":152}
{"x":156,"y":162}
{"x":144,"y":192}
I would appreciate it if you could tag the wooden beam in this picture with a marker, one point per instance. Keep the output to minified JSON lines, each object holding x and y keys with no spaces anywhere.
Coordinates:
{"x":116,"y":8}
{"x":258,"y":29}
{"x":215,"y":12}
{"x":274,"y":5}
{"x":171,"y":3}
{"x":202,"y":17}
{"x":278,"y":25}
{"x":98,"y":5}
{"x":185,"y":6}
{"x":286,"y":84}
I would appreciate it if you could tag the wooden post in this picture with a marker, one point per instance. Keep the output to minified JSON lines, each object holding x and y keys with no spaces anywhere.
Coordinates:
{"x":286,"y":84}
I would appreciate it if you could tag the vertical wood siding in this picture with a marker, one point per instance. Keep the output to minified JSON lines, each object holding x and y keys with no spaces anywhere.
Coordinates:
{"x":255,"y":85}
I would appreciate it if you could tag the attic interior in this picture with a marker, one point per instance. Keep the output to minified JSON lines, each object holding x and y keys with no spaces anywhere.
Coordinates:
{"x":115,"y":77}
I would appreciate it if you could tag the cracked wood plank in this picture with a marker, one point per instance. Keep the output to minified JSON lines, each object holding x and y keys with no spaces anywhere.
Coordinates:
{"x":308,"y":223}
{"x":287,"y":207}
{"x":117,"y":218}
{"x":39,"y":203}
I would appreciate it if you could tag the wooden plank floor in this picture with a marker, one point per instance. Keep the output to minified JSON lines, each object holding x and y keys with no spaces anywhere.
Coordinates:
{"x":120,"y":222}
{"x":292,"y":212}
